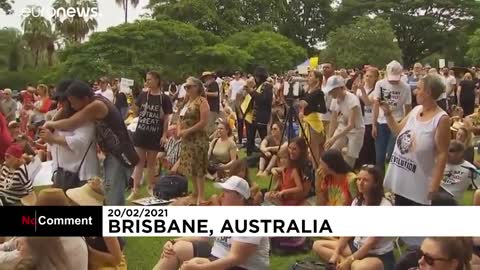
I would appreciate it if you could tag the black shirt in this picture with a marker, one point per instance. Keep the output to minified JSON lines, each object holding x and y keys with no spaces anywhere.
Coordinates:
{"x":151,"y":114}
{"x":213,"y":102}
{"x":316,"y":102}
{"x":120,"y":100}
{"x":468,"y":90}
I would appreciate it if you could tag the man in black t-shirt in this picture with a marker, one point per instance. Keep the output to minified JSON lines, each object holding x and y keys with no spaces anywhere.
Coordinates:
{"x":213,"y":98}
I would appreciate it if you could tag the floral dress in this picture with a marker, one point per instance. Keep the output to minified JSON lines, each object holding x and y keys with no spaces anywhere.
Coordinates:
{"x":194,"y":147}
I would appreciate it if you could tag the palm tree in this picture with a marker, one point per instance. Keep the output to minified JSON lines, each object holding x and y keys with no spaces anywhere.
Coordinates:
{"x":12,"y":48}
{"x":124,"y":4}
{"x":75,"y":28}
{"x":36,"y":30}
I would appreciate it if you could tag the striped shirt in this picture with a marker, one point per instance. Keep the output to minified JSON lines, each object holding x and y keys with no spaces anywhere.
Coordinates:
{"x":14,"y":184}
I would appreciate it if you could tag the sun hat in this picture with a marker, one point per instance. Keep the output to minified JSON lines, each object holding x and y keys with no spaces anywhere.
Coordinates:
{"x":51,"y":197}
{"x":394,"y":71}
{"x":90,"y":194}
{"x":206,"y":74}
{"x":334,"y":82}
{"x":237,"y":184}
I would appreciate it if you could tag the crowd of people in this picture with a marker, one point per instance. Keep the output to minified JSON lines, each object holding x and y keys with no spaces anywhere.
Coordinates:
{"x":371,"y":136}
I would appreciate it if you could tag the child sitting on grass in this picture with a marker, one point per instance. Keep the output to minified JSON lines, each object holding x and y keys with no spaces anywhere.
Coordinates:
{"x":169,"y":157}
{"x":288,"y":188}
{"x":14,"y":180}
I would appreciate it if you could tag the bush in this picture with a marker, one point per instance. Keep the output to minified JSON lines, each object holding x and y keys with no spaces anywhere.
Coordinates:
{"x":17,"y":80}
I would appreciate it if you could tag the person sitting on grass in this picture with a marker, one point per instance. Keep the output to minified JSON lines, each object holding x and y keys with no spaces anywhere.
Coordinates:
{"x":222,"y":151}
{"x":269,"y":148}
{"x":288,"y":188}
{"x":449,"y":253}
{"x":14,"y":180}
{"x":103,"y":252}
{"x":458,"y":173}
{"x":233,"y":253}
{"x":361,"y":252}
{"x":335,"y":181}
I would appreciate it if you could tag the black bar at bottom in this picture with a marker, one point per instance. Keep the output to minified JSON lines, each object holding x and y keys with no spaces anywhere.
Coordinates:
{"x":51,"y":221}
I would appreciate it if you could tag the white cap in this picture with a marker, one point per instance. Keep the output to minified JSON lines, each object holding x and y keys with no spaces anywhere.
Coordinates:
{"x":394,"y":71}
{"x":237,"y":184}
{"x":332,"y":83}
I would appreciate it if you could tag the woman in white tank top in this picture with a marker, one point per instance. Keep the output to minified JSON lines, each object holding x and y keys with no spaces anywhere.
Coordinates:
{"x":421,"y":149}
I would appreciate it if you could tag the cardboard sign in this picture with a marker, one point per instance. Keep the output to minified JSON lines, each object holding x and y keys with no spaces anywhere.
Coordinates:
{"x":125,"y":85}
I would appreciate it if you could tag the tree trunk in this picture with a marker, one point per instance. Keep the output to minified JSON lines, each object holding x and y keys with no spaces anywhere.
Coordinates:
{"x":125,"y":6}
{"x":36,"y":57}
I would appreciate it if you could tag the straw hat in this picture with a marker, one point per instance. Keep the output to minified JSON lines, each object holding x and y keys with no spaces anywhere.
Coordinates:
{"x":207,"y":74}
{"x":46,"y":197}
{"x":90,"y":194}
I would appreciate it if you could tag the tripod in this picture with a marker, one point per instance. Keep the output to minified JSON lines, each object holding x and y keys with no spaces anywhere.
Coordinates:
{"x":290,"y":116}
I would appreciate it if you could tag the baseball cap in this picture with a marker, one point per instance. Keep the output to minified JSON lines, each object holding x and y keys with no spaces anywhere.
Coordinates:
{"x":15,"y":150}
{"x":237,"y":184}
{"x":394,"y":71}
{"x":332,"y":83}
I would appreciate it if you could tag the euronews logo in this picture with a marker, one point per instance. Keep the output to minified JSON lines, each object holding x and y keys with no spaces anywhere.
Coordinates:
{"x":61,"y":12}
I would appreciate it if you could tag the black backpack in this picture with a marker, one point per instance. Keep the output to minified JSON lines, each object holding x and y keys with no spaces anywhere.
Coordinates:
{"x":170,"y":186}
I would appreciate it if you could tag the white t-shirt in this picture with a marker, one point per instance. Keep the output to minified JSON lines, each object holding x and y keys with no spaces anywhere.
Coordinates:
{"x":450,"y":82}
{"x":236,"y":87}
{"x":258,"y":261}
{"x":345,"y":109}
{"x":368,"y":110}
{"x":384,"y":245}
{"x":107,"y":93}
{"x":182,"y":92}
{"x":457,"y":178}
{"x":397,"y":96}
{"x":69,"y":158}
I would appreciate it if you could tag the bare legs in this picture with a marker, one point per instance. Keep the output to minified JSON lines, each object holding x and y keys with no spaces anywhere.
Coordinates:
{"x":182,"y":251}
{"x":147,"y":157}
{"x":198,"y":184}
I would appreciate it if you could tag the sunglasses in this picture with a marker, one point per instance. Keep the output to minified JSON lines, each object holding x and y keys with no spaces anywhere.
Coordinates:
{"x":368,"y":166}
{"x":428,"y":258}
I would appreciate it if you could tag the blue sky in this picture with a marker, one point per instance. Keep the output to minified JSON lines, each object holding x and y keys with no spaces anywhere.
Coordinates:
{"x":111,"y":13}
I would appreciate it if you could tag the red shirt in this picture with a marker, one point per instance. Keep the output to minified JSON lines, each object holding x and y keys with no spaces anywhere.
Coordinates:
{"x":5,"y":138}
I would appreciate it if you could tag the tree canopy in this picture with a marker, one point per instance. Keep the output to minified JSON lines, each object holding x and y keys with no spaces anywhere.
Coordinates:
{"x":365,"y":41}
{"x":474,"y":44}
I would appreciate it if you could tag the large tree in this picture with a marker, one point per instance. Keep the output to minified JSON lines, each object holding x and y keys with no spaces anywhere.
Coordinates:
{"x":75,"y":28}
{"x":474,"y":48}
{"x":367,"y":41}
{"x":421,"y":27}
{"x":36,"y":33}
{"x":12,"y":49}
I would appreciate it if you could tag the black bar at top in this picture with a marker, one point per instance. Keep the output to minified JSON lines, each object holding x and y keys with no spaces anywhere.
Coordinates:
{"x":76,"y":220}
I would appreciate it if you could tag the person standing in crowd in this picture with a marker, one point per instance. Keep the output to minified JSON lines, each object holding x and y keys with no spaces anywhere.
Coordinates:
{"x":40,"y":107}
{"x":312,"y":106}
{"x":450,"y":86}
{"x":213,"y":97}
{"x":397,"y":94}
{"x":5,"y":137}
{"x":413,"y":79}
{"x":192,"y":129}
{"x":328,"y":71}
{"x":421,"y":149}
{"x":346,"y":126}
{"x":104,"y":89}
{"x":119,"y":98}
{"x":364,"y":88}
{"x":466,"y":94}
{"x":112,"y":137}
{"x":154,"y":110}
{"x":236,"y":94}
{"x":72,"y":150}
{"x":8,"y":106}
{"x":259,"y":108}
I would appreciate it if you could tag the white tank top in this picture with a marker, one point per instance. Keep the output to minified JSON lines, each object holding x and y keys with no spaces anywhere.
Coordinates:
{"x":411,"y":166}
